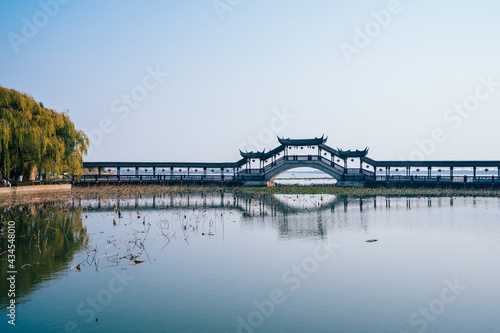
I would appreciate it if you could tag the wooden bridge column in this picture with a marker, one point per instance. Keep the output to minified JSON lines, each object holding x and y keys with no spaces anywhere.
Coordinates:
{"x":171,"y":172}
{"x":474,"y":172}
{"x":99,"y":171}
{"x":222,"y":174}
{"x":154,"y":171}
{"x":429,"y":171}
{"x":136,"y":170}
{"x":451,"y":174}
{"x":407,"y":171}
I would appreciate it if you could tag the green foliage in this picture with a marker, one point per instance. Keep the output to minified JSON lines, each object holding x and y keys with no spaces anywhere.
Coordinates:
{"x":34,"y":136}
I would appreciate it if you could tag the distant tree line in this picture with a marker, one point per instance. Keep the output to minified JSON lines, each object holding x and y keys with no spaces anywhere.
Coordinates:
{"x":36,"y":139}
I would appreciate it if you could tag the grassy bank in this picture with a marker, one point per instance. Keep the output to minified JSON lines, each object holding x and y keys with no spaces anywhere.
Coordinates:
{"x":132,"y":190}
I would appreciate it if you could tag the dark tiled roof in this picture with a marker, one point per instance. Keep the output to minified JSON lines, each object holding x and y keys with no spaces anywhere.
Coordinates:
{"x":253,"y":154}
{"x":302,"y":142}
{"x":352,"y":153}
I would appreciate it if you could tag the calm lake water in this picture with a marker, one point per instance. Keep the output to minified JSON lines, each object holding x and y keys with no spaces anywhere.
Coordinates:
{"x":282,"y":263}
{"x":304,"y":177}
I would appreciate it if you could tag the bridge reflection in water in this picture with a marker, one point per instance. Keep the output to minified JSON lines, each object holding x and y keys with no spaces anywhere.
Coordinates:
{"x":294,"y":216}
{"x":348,"y":167}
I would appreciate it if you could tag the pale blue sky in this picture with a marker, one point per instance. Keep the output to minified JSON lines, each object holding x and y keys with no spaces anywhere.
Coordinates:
{"x":227,"y":77}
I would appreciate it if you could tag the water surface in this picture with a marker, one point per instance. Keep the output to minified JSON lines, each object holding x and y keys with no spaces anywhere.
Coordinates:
{"x":283,"y":263}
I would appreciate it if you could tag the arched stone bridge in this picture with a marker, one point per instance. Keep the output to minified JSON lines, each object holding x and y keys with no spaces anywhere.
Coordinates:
{"x":348,"y":167}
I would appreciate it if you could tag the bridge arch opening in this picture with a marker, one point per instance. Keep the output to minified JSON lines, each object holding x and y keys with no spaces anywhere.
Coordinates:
{"x":302,"y":176}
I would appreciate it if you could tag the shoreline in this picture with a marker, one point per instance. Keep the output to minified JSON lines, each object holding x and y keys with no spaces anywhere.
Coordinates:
{"x":88,"y":192}
{"x":33,"y":189}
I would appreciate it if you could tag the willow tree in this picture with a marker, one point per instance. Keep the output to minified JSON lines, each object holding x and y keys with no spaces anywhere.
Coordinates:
{"x":32,"y":136}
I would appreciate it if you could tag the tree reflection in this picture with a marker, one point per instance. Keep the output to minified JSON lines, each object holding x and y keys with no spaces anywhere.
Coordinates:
{"x":47,"y":236}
